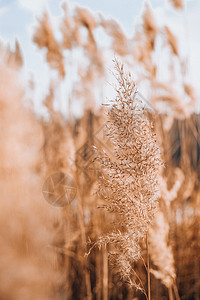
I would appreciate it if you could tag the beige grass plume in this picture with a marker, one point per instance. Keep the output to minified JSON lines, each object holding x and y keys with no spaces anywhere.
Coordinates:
{"x":178,"y":4}
{"x":144,"y":42}
{"x":44,"y":38}
{"x":161,"y":252}
{"x":149,"y":26}
{"x":14,"y":58}
{"x":120,"y":41}
{"x":129,"y":184}
{"x":172,"y":41}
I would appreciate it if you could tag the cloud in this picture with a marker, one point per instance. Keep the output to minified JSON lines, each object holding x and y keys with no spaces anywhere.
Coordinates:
{"x":34,"y":5}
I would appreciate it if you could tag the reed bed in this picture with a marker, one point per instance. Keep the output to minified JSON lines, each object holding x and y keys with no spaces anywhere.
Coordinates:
{"x":130,"y":225}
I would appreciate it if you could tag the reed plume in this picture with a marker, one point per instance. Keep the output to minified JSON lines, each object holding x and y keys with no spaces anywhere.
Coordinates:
{"x":44,"y":38}
{"x":178,"y":4}
{"x":172,"y":41}
{"x":130,"y":179}
{"x":161,"y":252}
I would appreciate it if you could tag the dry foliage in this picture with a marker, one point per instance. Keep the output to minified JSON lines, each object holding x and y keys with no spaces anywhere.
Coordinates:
{"x":178,"y":4}
{"x":43,"y":247}
{"x":130,"y":181}
{"x":29,"y":263}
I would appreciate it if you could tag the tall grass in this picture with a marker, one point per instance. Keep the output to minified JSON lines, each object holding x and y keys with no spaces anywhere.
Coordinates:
{"x":43,"y":248}
{"x":130,"y":180}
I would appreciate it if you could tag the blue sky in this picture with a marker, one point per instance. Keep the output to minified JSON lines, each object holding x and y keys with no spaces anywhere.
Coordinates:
{"x":17,"y":17}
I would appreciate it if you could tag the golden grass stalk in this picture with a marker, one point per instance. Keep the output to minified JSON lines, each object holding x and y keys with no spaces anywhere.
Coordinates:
{"x":178,"y":4}
{"x":149,"y":26}
{"x":28,"y":260}
{"x":172,"y":41}
{"x":129,"y":184}
{"x":161,"y":252}
{"x":44,"y":38}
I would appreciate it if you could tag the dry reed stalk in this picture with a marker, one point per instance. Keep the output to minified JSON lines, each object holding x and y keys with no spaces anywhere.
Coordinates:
{"x":161,"y":253}
{"x":105,"y":274}
{"x":84,"y":17}
{"x":148,"y":268}
{"x":14,"y":58}
{"x":170,"y":294}
{"x":149,"y":26}
{"x":84,"y":179}
{"x":120,"y":41}
{"x":169,"y":195}
{"x":66,"y":28}
{"x":178,"y":4}
{"x":129,"y":184}
{"x":29,"y":262}
{"x":145,"y":50}
{"x":58,"y":145}
{"x":83,"y":246}
{"x":172,"y":41}
{"x":180,"y":188}
{"x":144,"y":46}
{"x":59,"y":148}
{"x":189,"y":90}
{"x":44,"y":38}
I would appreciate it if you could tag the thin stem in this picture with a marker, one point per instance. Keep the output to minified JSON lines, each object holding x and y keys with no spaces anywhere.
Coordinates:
{"x":142,"y":286}
{"x":105,"y":273}
{"x":176,"y":291}
{"x":170,"y":293}
{"x":148,"y":268}
{"x":144,"y":263}
{"x":83,"y":239}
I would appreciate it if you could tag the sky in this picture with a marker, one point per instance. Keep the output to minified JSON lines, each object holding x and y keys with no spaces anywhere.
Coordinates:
{"x":18,"y":16}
